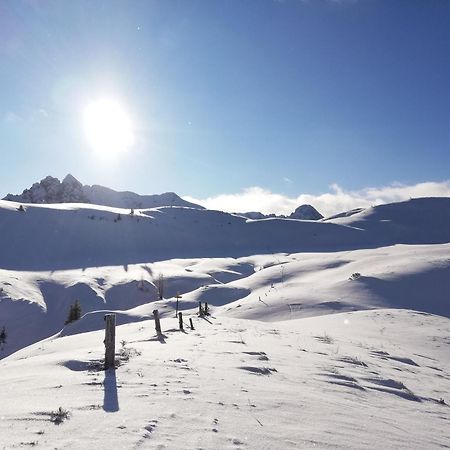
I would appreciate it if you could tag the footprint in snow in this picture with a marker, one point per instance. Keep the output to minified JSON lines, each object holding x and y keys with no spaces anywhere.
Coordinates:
{"x":150,"y":427}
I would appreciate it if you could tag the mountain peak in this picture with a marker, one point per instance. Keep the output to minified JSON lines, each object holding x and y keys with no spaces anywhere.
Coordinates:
{"x":306,"y":212}
{"x":70,"y":190}
{"x":70,"y":179}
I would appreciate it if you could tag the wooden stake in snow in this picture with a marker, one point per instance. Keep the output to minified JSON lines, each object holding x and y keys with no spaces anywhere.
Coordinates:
{"x":110,"y":341}
{"x":200,"y":310}
{"x":190,"y":321}
{"x":157,"y":322}
{"x":206,"y":308}
{"x":180,"y":320}
{"x":178,"y":296}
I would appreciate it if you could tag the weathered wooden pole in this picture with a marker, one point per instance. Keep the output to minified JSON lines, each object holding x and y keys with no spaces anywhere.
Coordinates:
{"x":206,"y":308}
{"x":180,"y":320}
{"x":178,"y":296}
{"x":157,"y":322}
{"x":110,"y":341}
{"x":200,"y":310}
{"x":190,"y":321}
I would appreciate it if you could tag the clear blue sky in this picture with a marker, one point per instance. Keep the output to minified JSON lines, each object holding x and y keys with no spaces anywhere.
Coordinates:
{"x":229,"y":94}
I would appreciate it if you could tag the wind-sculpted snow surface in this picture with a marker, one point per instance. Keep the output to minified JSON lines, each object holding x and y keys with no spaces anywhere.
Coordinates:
{"x":35,"y":305}
{"x":298,"y":351}
{"x":110,"y":259}
{"x":361,"y":380}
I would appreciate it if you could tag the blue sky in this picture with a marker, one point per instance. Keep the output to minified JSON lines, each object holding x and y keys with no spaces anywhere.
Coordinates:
{"x":288,"y":97}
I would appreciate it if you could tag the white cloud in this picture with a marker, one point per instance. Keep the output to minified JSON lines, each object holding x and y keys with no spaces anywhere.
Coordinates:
{"x":12,"y":117}
{"x":329,"y":203}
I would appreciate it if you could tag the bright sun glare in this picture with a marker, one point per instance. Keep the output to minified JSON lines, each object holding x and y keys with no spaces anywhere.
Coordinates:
{"x":108,"y":127}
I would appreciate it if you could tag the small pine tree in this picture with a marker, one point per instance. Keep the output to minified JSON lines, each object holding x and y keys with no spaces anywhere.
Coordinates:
{"x":3,"y":336}
{"x":74,"y":312}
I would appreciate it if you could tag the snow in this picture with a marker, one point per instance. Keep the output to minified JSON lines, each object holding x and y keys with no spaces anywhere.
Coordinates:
{"x":298,"y":352}
{"x":368,"y":379}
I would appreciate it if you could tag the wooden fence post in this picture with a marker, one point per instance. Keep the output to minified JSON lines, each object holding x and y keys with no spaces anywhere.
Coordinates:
{"x":157,"y":322}
{"x":178,"y":296}
{"x":180,"y":320}
{"x":206,"y":308}
{"x":190,"y":321}
{"x":110,"y":341}
{"x":200,"y":310}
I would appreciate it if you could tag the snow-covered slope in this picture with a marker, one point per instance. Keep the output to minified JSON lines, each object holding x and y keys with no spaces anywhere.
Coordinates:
{"x":424,"y":220}
{"x":70,"y":190}
{"x":54,"y":237}
{"x":108,"y":259}
{"x":362,"y":380}
{"x":329,"y":334}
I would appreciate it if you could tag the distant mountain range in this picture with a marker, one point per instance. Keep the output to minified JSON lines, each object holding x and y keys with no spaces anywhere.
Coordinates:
{"x":303,"y":212}
{"x":70,"y":190}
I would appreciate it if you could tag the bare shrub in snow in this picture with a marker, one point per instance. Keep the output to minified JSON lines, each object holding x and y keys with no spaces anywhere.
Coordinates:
{"x":325,"y":338}
{"x":126,"y":353}
{"x":59,"y":416}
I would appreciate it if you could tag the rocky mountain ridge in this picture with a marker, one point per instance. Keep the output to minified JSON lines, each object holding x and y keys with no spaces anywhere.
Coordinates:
{"x":51,"y":190}
{"x":70,"y":190}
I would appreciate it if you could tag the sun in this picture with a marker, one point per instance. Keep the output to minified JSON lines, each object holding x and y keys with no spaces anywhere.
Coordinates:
{"x":108,"y":127}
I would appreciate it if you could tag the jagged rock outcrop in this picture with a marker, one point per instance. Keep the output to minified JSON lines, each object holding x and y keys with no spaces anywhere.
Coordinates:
{"x":306,"y":212}
{"x":70,"y":190}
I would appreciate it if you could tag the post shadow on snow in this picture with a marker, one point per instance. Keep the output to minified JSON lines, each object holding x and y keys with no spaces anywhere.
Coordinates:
{"x":110,"y":397}
{"x":205,"y":318}
{"x":176,"y":330}
{"x":94,"y":365}
{"x":160,"y":338}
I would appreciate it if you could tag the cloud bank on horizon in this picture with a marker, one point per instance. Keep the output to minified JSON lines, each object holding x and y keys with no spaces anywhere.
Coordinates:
{"x":337,"y":200}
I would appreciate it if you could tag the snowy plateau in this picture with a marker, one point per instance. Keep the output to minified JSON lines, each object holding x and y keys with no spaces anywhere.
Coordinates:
{"x":321,"y":334}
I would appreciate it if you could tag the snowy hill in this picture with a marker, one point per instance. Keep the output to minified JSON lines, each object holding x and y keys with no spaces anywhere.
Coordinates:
{"x":322,"y":334}
{"x":275,"y":269}
{"x":43,"y":236}
{"x":70,"y":190}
